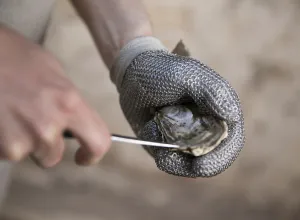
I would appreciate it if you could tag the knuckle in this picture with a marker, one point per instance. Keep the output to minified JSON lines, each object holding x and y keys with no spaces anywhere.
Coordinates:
{"x":224,"y":98}
{"x":70,"y":99}
{"x":105,"y":146}
{"x":43,"y":125}
{"x":14,"y":151}
{"x":51,"y":61}
{"x":46,"y":132}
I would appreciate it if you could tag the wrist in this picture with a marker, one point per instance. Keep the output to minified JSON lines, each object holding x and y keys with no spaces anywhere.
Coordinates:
{"x":129,"y":52}
{"x":122,"y":39}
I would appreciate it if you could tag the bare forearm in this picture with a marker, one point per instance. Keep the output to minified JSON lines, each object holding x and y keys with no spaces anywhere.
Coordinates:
{"x":113,"y":23}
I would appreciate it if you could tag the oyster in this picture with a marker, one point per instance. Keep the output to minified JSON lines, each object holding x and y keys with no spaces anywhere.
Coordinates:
{"x":184,"y":126}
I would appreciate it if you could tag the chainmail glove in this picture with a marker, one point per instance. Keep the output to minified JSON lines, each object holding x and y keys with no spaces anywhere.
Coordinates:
{"x":148,"y":77}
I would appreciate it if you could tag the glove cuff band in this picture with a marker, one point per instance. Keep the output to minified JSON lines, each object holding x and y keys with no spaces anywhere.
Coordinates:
{"x":129,"y":52}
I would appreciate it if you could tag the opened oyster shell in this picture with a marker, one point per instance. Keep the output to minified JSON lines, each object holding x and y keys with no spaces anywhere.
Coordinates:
{"x":184,"y":126}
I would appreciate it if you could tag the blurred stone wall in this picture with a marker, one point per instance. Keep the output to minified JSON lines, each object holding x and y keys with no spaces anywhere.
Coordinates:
{"x":256,"y":46}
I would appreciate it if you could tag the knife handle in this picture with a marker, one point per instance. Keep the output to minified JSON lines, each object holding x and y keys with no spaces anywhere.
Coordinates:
{"x":67,"y":134}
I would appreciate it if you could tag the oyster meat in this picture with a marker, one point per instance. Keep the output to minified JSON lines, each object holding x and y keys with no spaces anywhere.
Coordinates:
{"x":184,"y":126}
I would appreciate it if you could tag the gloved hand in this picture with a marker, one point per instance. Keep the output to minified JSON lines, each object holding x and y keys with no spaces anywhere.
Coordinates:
{"x":147,"y":77}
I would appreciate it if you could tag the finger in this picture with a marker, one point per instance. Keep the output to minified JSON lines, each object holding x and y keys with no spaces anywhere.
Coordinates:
{"x":185,"y":165}
{"x":211,"y":91}
{"x":166,"y":160}
{"x":46,"y":134}
{"x":15,"y":141}
{"x":174,"y":162}
{"x":224,"y":155}
{"x":47,"y":156}
{"x":208,"y":165}
{"x":84,"y":157}
{"x":92,"y":134}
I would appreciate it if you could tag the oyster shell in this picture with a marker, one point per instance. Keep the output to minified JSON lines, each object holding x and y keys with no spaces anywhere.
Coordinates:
{"x":184,"y":126}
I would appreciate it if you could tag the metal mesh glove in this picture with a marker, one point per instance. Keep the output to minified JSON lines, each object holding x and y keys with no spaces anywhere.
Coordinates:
{"x":147,"y":77}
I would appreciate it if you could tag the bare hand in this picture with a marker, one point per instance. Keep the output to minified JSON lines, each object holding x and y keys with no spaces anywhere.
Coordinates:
{"x":38,"y":103}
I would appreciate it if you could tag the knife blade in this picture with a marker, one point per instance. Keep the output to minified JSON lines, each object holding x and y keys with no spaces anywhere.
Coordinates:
{"x":131,"y":140}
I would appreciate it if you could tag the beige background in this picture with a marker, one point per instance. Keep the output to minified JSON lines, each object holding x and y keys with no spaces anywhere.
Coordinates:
{"x":256,"y":46}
